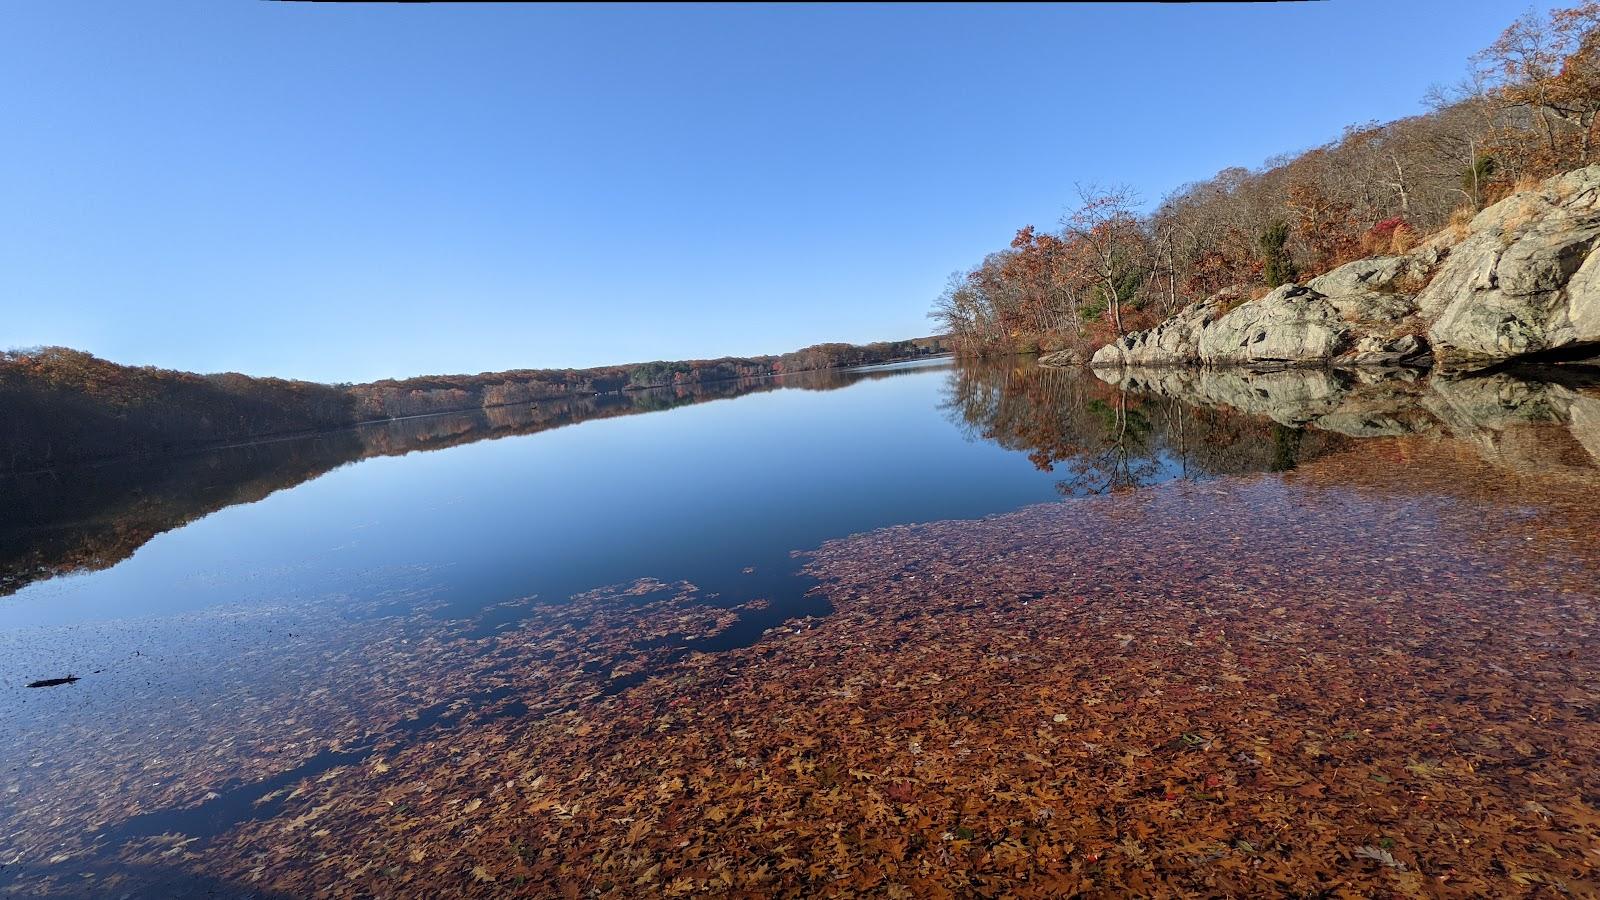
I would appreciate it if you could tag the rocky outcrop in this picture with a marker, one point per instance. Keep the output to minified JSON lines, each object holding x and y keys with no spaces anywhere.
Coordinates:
{"x":1174,"y":342}
{"x":1526,"y":279}
{"x":1293,"y":324}
{"x":1373,"y":289}
{"x":1358,"y":314}
{"x":1375,"y":350}
{"x":1064,"y":358}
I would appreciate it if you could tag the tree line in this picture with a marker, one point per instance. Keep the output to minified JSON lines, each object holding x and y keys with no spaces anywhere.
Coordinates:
{"x":91,"y":518}
{"x":1526,"y":110}
{"x":64,"y":406}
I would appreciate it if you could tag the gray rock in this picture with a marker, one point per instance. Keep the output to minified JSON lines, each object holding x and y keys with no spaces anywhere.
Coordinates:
{"x":1291,"y":325}
{"x":1358,"y":314}
{"x":1068,"y":357}
{"x":1374,"y":289}
{"x":1372,"y":350}
{"x":1174,"y":342}
{"x":1526,"y":279}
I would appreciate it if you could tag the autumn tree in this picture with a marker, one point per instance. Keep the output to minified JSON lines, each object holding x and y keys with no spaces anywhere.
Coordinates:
{"x":1052,"y":297}
{"x":1109,"y":244}
{"x":1325,"y":225}
{"x":1548,"y":67}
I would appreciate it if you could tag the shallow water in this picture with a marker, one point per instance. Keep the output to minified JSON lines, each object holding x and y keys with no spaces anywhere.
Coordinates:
{"x":344,"y":663}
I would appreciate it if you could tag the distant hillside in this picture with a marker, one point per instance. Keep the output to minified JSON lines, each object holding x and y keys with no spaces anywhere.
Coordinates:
{"x":60,"y":406}
{"x":99,"y":515}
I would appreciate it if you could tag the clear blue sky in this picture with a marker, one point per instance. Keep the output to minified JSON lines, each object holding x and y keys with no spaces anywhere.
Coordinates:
{"x":355,"y":192}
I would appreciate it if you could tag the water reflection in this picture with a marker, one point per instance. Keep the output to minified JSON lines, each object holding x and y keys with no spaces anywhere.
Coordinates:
{"x":1529,"y":421}
{"x":91,"y":517}
{"x":1106,"y":439}
{"x":1118,"y":431}
{"x":445,"y":729}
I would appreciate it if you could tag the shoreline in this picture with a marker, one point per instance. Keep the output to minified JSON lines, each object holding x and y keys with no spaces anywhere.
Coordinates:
{"x":301,"y":434}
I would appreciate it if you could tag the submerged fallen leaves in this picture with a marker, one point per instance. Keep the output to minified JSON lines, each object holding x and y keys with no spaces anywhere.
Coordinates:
{"x":1352,"y":680}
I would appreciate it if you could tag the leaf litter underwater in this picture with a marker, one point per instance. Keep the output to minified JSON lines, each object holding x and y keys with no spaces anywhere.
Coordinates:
{"x":1371,"y":675}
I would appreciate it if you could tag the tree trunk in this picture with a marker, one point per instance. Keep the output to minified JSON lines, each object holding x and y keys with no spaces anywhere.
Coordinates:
{"x":1116,"y":306}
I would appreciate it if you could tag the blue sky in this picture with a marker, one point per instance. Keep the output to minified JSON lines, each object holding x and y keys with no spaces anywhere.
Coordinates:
{"x":364,"y":191}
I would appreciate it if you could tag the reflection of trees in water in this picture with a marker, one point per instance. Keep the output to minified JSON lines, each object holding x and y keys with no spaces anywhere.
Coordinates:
{"x":1124,"y":460}
{"x":1285,"y":447}
{"x":1104,"y":439}
{"x":92,"y":517}
{"x":1101,"y":440}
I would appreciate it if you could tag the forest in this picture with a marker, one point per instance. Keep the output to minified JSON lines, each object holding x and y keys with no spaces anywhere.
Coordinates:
{"x":96,"y":516}
{"x":1525,"y":110}
{"x":66,"y":406}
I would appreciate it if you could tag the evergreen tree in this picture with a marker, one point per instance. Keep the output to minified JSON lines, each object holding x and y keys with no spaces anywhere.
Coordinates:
{"x":1476,"y":176}
{"x":1277,"y":265}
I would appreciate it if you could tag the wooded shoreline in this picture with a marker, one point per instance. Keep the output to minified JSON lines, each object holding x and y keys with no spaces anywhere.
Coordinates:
{"x":66,"y":407}
{"x":1395,"y":227}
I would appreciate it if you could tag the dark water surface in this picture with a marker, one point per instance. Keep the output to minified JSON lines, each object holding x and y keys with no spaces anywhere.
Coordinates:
{"x":249,"y":622}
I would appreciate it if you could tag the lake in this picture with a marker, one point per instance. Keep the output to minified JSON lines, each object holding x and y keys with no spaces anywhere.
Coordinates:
{"x":926,"y":627}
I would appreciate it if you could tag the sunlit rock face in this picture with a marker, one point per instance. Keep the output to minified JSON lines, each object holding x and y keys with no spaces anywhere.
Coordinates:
{"x":1292,"y":324}
{"x":1373,"y":289}
{"x":1358,"y":314}
{"x":1523,"y":282}
{"x":1068,"y":357}
{"x":1516,"y":423}
{"x":1372,"y":350}
{"x":1526,"y":279}
{"x":1174,"y":342}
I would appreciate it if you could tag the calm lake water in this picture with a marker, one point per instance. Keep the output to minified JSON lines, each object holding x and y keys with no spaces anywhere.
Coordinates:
{"x":248,"y":621}
{"x":701,"y":492}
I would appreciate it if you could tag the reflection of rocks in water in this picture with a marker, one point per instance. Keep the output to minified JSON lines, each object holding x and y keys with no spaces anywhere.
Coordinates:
{"x":1521,"y":424}
{"x":1358,"y":406}
{"x":1584,"y":421}
{"x":1290,"y":398}
{"x":1105,"y":439}
{"x":1513,"y":420}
